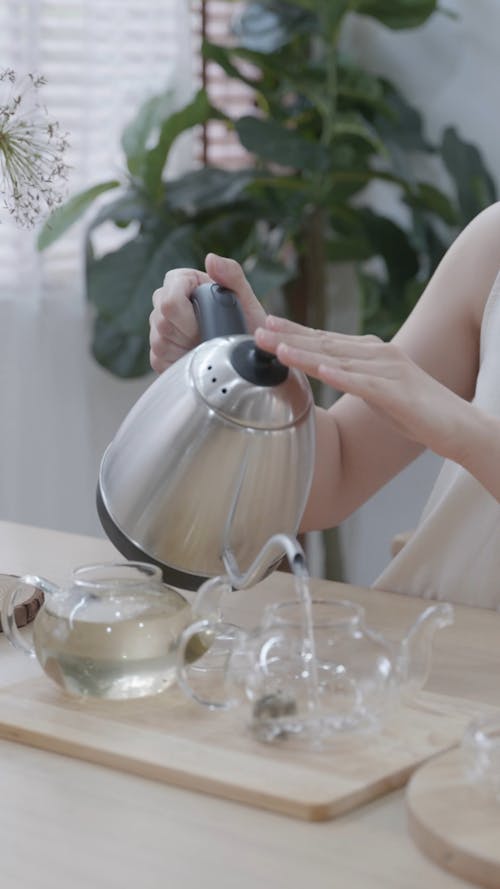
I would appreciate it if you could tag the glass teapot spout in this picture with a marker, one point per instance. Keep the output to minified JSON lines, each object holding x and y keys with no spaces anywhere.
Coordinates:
{"x":416,"y":647}
{"x":49,"y":589}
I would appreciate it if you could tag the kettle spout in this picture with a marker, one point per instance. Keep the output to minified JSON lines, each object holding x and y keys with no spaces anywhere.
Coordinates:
{"x":416,"y":648}
{"x":279,"y":545}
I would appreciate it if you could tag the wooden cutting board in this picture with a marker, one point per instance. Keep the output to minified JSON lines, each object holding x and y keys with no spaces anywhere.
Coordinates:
{"x":168,"y":738}
{"x":453,"y":823}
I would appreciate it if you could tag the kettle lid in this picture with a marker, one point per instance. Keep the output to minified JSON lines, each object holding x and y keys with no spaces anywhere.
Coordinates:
{"x":247,"y":387}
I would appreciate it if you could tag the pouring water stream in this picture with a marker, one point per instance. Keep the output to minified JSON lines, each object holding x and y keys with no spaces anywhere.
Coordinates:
{"x":297,"y":562}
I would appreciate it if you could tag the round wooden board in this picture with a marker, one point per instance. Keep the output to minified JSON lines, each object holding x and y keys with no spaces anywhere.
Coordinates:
{"x":454,"y":823}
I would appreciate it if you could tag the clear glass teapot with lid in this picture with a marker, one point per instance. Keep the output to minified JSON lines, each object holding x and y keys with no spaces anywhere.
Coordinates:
{"x":311,"y":669}
{"x":110,"y":632}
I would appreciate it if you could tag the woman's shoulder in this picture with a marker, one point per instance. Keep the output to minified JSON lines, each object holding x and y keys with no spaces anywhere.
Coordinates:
{"x":476,"y":258}
{"x":482,"y":235}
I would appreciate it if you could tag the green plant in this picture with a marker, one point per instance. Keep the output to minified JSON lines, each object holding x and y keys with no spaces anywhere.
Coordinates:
{"x":323,"y":130}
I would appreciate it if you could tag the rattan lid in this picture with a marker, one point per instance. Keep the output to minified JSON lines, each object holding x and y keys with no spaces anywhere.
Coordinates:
{"x":27,"y":609}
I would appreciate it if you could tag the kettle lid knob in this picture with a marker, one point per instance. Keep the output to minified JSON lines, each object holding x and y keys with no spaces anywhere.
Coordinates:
{"x":257,"y":366}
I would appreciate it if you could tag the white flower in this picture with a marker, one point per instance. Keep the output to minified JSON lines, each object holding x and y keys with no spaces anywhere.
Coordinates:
{"x":31,"y":150}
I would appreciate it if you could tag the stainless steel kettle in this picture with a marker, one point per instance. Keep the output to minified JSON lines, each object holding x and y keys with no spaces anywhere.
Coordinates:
{"x":215,"y":457}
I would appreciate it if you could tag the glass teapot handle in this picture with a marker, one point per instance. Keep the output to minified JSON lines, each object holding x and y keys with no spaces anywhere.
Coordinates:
{"x":9,"y":625}
{"x":208,"y":599}
{"x":481,"y":753}
{"x":206,"y":683}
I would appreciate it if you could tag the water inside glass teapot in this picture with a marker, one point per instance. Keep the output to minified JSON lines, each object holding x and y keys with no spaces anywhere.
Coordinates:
{"x":111,"y":632}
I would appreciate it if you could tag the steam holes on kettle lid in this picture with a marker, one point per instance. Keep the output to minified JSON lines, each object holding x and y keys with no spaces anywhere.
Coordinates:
{"x":214,"y":380}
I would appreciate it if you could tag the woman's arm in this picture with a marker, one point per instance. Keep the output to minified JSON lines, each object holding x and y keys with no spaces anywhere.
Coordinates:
{"x":404,"y":396}
{"x":384,"y":421}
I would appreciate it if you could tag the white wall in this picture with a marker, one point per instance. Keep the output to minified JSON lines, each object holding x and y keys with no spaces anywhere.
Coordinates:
{"x":449,"y":70}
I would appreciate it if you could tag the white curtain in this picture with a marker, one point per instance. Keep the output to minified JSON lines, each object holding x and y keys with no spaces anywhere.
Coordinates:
{"x":58,"y":409}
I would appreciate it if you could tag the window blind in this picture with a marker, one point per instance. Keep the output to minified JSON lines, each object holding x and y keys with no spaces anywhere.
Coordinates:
{"x":219,"y":146}
{"x":101,"y":59}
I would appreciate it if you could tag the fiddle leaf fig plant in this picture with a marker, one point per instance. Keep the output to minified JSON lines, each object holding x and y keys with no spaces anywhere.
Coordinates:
{"x":324,"y":129}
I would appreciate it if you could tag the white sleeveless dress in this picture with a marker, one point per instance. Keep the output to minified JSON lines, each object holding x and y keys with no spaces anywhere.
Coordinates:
{"x":454,"y":553}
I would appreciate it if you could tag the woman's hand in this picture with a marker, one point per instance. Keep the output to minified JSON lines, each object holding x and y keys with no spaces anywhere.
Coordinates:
{"x":380,"y":373}
{"x":173,"y":326}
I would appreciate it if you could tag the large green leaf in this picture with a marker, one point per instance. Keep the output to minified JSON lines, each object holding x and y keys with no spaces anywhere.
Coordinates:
{"x":331,"y":17}
{"x":474,"y":185}
{"x":267,"y":27}
{"x":196,"y":112}
{"x":129,"y":207}
{"x":223,"y":56}
{"x":341,"y":249}
{"x":121,"y":283}
{"x":397,"y":14}
{"x":276,"y":144}
{"x":322,"y":8}
{"x":430,"y":199}
{"x":393,"y":244}
{"x":273,"y":77}
{"x":120,"y":286}
{"x":401,"y":128}
{"x":352,"y":126}
{"x":385,"y":304}
{"x":206,"y":189}
{"x":399,"y":124}
{"x":114,"y":280}
{"x":267,"y":275}
{"x":344,"y":184}
{"x":124,"y":355}
{"x":358,"y":89}
{"x":62,"y":218}
{"x":431,"y":241}
{"x":137,"y":134}
{"x":310,"y":5}
{"x":229,"y":233}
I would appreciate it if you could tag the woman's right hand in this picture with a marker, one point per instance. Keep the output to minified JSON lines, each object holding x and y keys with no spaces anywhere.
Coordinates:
{"x":173,"y":326}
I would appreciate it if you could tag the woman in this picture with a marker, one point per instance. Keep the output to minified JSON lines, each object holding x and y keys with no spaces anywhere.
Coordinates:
{"x":436,"y":385}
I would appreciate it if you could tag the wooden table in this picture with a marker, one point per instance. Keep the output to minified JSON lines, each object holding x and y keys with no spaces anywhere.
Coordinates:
{"x":66,"y":824}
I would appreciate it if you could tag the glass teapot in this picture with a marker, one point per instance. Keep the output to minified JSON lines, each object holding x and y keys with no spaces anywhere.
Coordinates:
{"x":311,"y":669}
{"x":481,"y":755}
{"x":111,"y":632}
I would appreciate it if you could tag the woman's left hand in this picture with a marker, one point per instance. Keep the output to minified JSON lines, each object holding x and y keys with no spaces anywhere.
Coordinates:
{"x":380,"y":373}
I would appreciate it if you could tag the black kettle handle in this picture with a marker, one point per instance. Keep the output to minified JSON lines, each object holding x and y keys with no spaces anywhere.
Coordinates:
{"x":217,"y":311}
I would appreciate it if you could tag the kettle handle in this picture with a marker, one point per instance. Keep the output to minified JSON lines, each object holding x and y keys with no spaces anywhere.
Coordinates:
{"x":217,"y":311}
